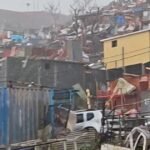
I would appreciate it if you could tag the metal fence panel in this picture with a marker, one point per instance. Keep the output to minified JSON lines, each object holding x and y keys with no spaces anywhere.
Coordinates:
{"x":145,"y":105}
{"x":25,"y":111}
{"x":22,"y":112}
{"x":4,"y":110}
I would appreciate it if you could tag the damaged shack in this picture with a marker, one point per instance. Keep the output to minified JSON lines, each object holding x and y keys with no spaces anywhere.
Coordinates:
{"x":42,"y":72}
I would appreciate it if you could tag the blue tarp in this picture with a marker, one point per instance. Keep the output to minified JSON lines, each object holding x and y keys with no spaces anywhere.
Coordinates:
{"x":17,"y":38}
{"x":120,"y":20}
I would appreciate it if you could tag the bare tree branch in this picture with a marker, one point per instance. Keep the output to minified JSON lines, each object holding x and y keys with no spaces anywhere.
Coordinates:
{"x":54,"y":10}
{"x":82,"y":5}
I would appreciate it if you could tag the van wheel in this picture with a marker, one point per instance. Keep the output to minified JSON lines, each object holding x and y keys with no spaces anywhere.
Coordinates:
{"x":91,"y":131}
{"x":94,"y":135}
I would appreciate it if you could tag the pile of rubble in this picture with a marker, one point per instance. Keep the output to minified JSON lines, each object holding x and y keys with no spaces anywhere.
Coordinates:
{"x":119,"y":17}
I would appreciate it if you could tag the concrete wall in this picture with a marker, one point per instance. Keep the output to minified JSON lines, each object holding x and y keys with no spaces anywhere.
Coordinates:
{"x":57,"y":74}
{"x":3,"y":72}
{"x":74,"y":50}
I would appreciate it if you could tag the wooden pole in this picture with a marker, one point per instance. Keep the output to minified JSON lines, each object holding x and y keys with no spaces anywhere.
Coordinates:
{"x":123,"y":60}
{"x":88,"y":98}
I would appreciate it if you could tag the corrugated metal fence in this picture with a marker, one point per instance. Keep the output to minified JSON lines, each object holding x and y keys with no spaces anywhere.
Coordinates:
{"x":22,"y":112}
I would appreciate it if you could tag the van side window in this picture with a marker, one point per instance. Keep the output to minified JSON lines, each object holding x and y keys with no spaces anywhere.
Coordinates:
{"x":80,"y":118}
{"x":90,"y":116}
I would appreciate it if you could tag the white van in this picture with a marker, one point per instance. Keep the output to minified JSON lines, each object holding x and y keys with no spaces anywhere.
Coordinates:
{"x":80,"y":120}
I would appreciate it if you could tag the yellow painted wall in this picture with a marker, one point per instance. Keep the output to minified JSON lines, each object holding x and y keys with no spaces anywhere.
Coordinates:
{"x":136,"y":50}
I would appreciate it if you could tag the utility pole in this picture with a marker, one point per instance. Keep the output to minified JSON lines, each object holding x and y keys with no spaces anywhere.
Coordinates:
{"x":39,"y":75}
{"x":88,"y":98}
{"x":123,"y":60}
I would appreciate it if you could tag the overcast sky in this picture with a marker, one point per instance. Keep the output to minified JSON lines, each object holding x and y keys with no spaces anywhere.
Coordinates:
{"x":20,"y":5}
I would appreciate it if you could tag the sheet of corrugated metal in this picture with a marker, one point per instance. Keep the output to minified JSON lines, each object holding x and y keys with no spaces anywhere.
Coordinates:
{"x":22,"y":113}
{"x":25,"y":111}
{"x":145,"y":105}
{"x":4,"y":116}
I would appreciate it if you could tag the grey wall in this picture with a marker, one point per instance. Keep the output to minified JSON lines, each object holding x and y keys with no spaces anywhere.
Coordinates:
{"x":3,"y":72}
{"x":44,"y":72}
{"x":62,"y":74}
{"x":74,"y":50}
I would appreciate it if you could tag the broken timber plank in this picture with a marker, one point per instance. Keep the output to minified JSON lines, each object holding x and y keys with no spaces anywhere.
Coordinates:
{"x":113,"y":147}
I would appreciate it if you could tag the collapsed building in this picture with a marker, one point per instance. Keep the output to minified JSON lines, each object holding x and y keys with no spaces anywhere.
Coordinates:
{"x":117,"y":18}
